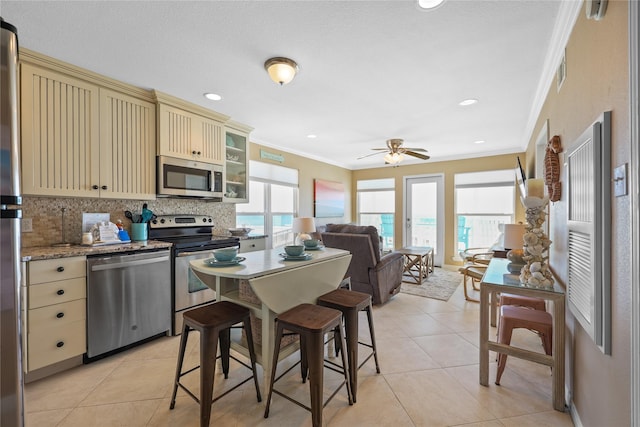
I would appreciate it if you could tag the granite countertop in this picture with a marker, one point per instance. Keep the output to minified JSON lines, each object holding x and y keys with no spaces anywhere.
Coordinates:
{"x":51,"y":252}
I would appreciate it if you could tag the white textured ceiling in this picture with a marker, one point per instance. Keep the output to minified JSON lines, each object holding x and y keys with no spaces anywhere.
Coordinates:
{"x":369,"y":70}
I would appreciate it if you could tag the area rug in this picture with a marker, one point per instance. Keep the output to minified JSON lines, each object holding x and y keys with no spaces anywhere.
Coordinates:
{"x":440,"y":285}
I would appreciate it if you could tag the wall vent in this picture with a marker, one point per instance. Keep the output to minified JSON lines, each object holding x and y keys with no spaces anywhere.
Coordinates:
{"x":561,"y":74}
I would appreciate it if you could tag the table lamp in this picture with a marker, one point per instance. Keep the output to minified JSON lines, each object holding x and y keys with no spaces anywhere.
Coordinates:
{"x":302,"y":226}
{"x":513,"y":242}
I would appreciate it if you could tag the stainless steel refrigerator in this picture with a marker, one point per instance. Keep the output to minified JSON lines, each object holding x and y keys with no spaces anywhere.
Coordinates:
{"x":11,"y":379}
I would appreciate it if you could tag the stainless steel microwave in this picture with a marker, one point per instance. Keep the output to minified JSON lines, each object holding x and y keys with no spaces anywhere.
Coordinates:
{"x":188,"y":178}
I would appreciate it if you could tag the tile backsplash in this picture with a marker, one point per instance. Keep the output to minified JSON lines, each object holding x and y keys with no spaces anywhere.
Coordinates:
{"x":46,"y":215}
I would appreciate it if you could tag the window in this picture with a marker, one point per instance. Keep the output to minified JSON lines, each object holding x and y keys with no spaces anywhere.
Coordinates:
{"x":484,"y":200}
{"x":376,"y":206}
{"x":273,"y":203}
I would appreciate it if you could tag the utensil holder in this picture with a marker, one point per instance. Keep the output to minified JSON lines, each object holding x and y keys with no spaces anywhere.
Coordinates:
{"x":139,"y":231}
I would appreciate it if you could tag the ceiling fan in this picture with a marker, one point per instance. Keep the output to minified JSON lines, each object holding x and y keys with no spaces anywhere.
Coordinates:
{"x":396,"y":152}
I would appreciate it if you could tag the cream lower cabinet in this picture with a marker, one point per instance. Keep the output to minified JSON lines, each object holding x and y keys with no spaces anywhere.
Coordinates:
{"x":251,"y":245}
{"x":188,"y":131}
{"x":82,"y":139}
{"x":55,"y":321}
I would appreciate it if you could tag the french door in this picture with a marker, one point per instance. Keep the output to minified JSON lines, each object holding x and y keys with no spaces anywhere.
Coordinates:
{"x":424,"y":213}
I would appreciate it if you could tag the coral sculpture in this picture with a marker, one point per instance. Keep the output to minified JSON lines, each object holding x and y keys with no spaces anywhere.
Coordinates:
{"x":536,"y":272}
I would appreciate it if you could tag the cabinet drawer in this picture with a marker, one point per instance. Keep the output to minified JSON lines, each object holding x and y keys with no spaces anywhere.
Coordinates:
{"x":52,"y":345}
{"x":50,"y":270}
{"x":250,"y":245}
{"x":57,"y":292}
{"x":57,"y":315}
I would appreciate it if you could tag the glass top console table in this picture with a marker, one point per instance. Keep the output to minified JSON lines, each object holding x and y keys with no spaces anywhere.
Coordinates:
{"x":497,"y":280}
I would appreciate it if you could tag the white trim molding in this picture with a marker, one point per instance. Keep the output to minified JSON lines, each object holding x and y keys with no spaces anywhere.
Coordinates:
{"x":567,"y":17}
{"x":634,"y":170}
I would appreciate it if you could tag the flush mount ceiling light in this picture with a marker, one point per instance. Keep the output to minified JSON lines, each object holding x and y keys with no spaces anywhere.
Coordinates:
{"x":469,"y":101}
{"x":212,"y":96}
{"x":281,"y":70}
{"x":429,"y":4}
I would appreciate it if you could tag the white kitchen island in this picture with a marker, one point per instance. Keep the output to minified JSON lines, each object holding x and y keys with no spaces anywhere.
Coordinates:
{"x":279,"y":286}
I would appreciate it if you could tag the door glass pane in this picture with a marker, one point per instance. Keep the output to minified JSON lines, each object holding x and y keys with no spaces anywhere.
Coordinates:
{"x":424,"y":208}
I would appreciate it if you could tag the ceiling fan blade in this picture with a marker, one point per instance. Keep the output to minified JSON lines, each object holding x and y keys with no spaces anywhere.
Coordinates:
{"x":380,"y":149}
{"x":418,"y":155}
{"x":422,"y":150}
{"x":368,"y":155}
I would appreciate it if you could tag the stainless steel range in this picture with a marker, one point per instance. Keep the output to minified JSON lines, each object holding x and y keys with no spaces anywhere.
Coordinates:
{"x":192,"y":239}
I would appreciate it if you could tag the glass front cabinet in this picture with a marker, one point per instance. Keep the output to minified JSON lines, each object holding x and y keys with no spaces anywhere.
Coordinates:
{"x":236,"y":162}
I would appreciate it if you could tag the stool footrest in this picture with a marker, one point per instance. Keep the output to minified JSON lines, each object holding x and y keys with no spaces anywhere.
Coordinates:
{"x":194,"y":397}
{"x":326,"y":402}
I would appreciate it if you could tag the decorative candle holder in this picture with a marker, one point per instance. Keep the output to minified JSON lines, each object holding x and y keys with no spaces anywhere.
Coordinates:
{"x":536,"y":272}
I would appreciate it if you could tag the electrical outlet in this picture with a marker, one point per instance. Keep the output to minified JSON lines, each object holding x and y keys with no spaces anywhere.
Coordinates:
{"x":620,"y":180}
{"x":27,"y":225}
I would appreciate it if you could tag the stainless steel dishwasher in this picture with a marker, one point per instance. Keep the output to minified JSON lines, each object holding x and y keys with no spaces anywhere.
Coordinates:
{"x":128,"y":299}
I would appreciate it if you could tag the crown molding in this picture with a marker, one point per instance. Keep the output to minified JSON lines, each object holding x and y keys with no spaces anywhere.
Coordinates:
{"x":565,"y":21}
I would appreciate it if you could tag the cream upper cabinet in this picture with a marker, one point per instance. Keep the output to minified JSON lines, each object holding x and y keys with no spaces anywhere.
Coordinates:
{"x":59,"y":130}
{"x":236,"y":162}
{"x":188,"y":131}
{"x":127,"y":146}
{"x":81,"y":138}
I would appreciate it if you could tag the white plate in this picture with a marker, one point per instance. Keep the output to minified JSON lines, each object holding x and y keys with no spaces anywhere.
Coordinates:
{"x":303,"y":257}
{"x":317,"y":248}
{"x":212,"y":262}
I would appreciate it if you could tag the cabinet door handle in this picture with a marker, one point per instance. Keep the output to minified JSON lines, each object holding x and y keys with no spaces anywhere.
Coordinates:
{"x":60,"y":292}
{"x":193,"y":152}
{"x":60,"y":269}
{"x":60,"y":315}
{"x":95,"y":187}
{"x":199,"y":153}
{"x":104,"y":187}
{"x":59,"y":344}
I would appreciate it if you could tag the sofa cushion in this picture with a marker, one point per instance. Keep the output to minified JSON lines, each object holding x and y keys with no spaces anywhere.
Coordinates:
{"x":358,"y":229}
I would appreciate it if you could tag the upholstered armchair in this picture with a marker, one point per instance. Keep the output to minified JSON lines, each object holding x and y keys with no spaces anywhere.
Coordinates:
{"x":379,"y":276}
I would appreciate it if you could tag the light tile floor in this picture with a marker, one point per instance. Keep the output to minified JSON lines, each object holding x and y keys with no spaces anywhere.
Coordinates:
{"x":428,"y":351}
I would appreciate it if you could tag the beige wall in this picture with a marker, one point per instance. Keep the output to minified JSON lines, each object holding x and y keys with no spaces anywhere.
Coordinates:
{"x":308,"y":170}
{"x":448,"y":169}
{"x":597,"y":80}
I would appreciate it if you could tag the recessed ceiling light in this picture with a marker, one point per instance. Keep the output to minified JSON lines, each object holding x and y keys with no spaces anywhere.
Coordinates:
{"x":429,"y":4}
{"x":480,"y":141}
{"x":212,"y":96}
{"x":469,"y":101}
{"x":312,"y":136}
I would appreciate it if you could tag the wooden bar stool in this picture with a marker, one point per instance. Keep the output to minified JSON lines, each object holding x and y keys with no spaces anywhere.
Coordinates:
{"x":512,"y":317}
{"x":350,"y":303}
{"x":214,"y":323}
{"x":311,"y":322}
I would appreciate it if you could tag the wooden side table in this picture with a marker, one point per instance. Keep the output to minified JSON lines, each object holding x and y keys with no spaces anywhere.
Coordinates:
{"x":495,"y":282}
{"x":418,"y":263}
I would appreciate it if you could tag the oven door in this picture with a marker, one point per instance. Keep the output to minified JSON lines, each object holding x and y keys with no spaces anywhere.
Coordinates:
{"x":189,"y":290}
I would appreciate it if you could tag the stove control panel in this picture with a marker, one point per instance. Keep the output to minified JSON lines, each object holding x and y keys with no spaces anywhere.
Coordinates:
{"x":177,"y":221}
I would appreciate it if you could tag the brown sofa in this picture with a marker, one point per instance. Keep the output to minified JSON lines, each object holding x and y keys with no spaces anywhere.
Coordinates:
{"x":378,"y":276}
